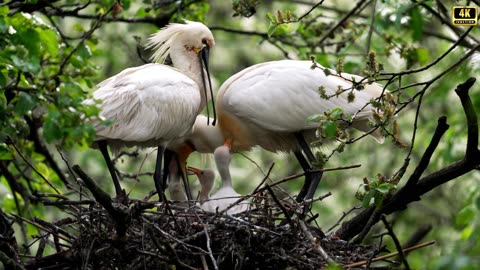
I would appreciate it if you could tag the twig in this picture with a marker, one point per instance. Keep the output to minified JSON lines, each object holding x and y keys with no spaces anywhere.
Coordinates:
{"x":341,"y":21}
{"x":139,"y":169}
{"x":395,"y":241}
{"x":251,"y":225}
{"x":264,"y":179}
{"x":280,"y":205}
{"x":370,"y":31}
{"x":344,"y":215}
{"x":209,"y":248}
{"x":310,"y":10}
{"x":319,"y":198}
{"x":316,"y":244}
{"x":120,"y":217}
{"x":31,"y":166}
{"x":405,"y":251}
{"x":442,"y":127}
{"x":286,"y":179}
{"x":210,"y":253}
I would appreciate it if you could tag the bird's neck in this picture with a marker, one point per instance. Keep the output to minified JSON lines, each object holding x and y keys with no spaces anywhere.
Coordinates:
{"x":224,"y":172}
{"x":203,"y":196}
{"x":188,"y":62}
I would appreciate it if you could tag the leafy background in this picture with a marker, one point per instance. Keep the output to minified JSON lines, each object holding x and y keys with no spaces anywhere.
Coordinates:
{"x":53,"y":53}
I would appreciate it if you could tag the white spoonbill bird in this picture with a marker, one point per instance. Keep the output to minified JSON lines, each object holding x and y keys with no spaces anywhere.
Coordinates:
{"x":268,"y":105}
{"x":206,"y":178}
{"x":226,"y":195}
{"x":153,"y":104}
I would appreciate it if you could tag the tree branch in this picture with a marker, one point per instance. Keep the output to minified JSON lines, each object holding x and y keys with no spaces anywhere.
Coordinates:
{"x":413,"y":191}
{"x":119,"y":215}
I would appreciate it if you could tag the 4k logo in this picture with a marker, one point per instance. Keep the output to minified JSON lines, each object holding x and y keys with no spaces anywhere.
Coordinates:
{"x":465,"y":16}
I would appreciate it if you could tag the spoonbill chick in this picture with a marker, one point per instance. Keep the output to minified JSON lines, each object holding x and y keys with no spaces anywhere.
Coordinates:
{"x":268,"y":105}
{"x":206,"y":178}
{"x":153,"y":104}
{"x":226,"y":195}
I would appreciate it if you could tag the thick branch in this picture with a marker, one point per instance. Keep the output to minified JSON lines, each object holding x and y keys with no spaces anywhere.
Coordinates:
{"x":472,"y":122}
{"x":120,"y":217}
{"x":442,"y":127}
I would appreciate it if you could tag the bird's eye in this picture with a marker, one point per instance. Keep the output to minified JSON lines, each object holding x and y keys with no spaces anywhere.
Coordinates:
{"x":201,"y":173}
{"x":204,"y":41}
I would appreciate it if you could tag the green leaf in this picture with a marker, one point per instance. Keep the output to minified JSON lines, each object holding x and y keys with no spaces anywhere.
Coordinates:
{"x":384,"y":188}
{"x":78,"y":27}
{"x":271,"y":29}
{"x":25,"y":103}
{"x":3,"y":77}
{"x":330,"y":128}
{"x":31,"y":40}
{"x":465,"y":216}
{"x":27,"y":64}
{"x":367,"y":198}
{"x":141,"y":12}
{"x":423,"y":56}
{"x":416,"y":23}
{"x":272,"y":18}
{"x":3,"y":26}
{"x":477,"y":202}
{"x":52,"y":130}
{"x":3,"y":104}
{"x":465,"y":234}
{"x":3,"y":10}
{"x":316,"y":118}
{"x":378,"y":199}
{"x":336,"y":113}
{"x":48,"y":38}
{"x":5,"y":153}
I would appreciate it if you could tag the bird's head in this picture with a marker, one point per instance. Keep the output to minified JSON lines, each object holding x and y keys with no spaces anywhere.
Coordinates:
{"x":222,"y":156}
{"x":189,"y":38}
{"x":204,"y":137}
{"x":206,"y":178}
{"x":194,"y":36}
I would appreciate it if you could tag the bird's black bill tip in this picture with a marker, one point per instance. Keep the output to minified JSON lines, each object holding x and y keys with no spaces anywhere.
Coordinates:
{"x":204,"y":55}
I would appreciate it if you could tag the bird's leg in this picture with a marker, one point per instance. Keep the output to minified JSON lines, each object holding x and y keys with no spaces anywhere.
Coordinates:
{"x":308,"y":177}
{"x":157,"y":175}
{"x":316,"y":177}
{"x":186,"y":183}
{"x":102,"y":145}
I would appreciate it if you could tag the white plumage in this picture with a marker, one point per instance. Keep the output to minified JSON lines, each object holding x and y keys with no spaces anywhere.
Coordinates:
{"x":206,"y":178}
{"x":268,"y":105}
{"x":226,"y":194}
{"x":148,"y":105}
{"x":154,"y":104}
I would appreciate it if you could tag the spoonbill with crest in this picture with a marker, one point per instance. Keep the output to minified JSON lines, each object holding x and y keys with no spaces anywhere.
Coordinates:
{"x":153,"y":104}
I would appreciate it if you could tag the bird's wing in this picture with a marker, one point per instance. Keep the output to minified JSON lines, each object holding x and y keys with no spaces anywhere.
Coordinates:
{"x":281,"y":95}
{"x":149,"y":102}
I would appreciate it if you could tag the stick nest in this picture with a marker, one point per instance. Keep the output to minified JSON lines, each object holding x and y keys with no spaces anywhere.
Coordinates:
{"x":177,"y":236}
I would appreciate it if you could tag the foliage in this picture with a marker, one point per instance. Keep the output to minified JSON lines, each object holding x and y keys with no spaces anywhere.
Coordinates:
{"x":54,"y":52}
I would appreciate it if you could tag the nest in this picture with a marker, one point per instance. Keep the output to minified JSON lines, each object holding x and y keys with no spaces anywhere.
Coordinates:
{"x":189,"y":238}
{"x":125,"y":233}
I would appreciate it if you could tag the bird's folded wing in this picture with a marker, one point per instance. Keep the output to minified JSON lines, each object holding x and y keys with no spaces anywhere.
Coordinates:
{"x":281,"y":95}
{"x":146,"y":103}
